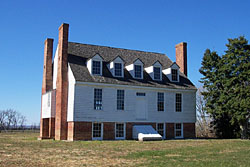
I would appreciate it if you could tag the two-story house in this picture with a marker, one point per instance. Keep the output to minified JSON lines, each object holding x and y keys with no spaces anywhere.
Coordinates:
{"x":92,"y":92}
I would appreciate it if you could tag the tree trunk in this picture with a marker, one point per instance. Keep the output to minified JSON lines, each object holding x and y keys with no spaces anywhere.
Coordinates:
{"x":244,"y":130}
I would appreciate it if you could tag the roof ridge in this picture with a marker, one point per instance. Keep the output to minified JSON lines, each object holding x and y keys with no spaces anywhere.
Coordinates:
{"x":120,"y":48}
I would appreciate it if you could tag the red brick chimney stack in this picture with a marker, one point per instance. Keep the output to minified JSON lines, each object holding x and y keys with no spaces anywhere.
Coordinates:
{"x":181,"y":56}
{"x":62,"y":84}
{"x":47,"y":84}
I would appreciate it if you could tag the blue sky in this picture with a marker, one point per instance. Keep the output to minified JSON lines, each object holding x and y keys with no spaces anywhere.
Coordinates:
{"x":133,"y":24}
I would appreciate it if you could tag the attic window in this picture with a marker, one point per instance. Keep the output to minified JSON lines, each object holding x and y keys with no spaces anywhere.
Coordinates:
{"x":157,"y":73}
{"x":174,"y":73}
{"x":96,"y":68}
{"x":138,"y":71}
{"x":118,"y":69}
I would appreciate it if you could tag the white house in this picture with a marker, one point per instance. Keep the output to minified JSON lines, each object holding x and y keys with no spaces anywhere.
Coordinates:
{"x":95,"y":92}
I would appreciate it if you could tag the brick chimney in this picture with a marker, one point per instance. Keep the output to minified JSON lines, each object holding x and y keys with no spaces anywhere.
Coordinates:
{"x":181,"y":56}
{"x":62,"y":84}
{"x":47,"y":84}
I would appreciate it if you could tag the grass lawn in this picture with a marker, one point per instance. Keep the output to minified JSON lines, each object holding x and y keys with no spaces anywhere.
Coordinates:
{"x":23,"y":149}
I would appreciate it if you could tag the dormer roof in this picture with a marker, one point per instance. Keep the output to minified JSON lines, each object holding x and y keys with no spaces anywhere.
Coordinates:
{"x":78,"y":54}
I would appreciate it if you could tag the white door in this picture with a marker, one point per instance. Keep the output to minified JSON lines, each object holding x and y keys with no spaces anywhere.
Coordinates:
{"x":141,"y":108}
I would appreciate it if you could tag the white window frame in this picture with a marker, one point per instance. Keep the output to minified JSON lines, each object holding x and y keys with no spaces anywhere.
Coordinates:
{"x":93,"y":67}
{"x":163,"y":101}
{"x":164,"y":129}
{"x":123,"y":100}
{"x":159,"y":79}
{"x":124,"y":131}
{"x":121,"y":69}
{"x":97,"y":138}
{"x":141,"y":71}
{"x":181,"y":102}
{"x":101,"y":99}
{"x":178,"y":137}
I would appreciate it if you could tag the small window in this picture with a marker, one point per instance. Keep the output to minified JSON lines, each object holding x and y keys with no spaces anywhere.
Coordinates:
{"x":118,"y":69}
{"x":160,"y":101}
{"x":174,"y":73}
{"x":119,"y":131}
{"x":96,"y":68}
{"x":161,"y":129}
{"x":157,"y":73}
{"x":98,"y":99}
{"x":120,"y":99}
{"x":97,"y":131}
{"x":178,"y":102}
{"x":140,"y":94}
{"x":138,"y":71}
{"x":178,"y":130}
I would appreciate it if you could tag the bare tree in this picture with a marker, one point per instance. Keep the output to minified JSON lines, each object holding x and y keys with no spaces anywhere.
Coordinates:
{"x":203,"y":128}
{"x":11,"y":119}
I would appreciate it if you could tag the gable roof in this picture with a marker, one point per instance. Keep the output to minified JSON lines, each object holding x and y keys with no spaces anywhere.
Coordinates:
{"x":78,"y":54}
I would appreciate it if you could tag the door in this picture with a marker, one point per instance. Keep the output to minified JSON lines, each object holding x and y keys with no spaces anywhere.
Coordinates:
{"x":141,"y":108}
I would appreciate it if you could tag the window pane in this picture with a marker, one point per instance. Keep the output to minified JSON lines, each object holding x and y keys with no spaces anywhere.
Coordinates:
{"x":160,"y":103}
{"x":178,"y":102}
{"x":98,"y":99}
{"x":96,"y":67}
{"x":157,"y":73}
{"x":138,"y":71}
{"x":118,"y":69}
{"x":120,"y":99}
{"x":140,"y":94}
{"x":160,"y":129}
{"x":97,"y":130}
{"x":119,"y":129}
{"x":174,"y":74}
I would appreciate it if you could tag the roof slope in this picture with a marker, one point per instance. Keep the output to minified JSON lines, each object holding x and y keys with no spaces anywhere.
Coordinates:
{"x":78,"y":54}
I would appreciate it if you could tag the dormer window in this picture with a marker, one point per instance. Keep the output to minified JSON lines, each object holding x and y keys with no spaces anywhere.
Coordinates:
{"x":118,"y":69}
{"x":96,"y":68}
{"x":138,"y":71}
{"x":157,"y":73}
{"x":174,"y":73}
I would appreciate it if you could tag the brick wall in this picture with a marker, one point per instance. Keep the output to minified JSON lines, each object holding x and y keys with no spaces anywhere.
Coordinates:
{"x":189,"y":130}
{"x":170,"y":131}
{"x":108,"y":131}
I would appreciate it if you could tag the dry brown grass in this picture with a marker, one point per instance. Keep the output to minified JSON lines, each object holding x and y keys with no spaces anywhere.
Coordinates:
{"x":23,"y":149}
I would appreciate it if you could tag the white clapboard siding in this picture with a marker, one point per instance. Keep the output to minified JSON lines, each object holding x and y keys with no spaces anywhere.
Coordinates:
{"x":84,"y":104}
{"x":71,"y":95}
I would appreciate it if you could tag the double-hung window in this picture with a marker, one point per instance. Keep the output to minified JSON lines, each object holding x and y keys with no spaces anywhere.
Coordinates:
{"x":160,"y":101}
{"x":174,"y":73}
{"x":119,"y":131}
{"x":178,"y":102}
{"x":138,"y":71}
{"x":97,"y":131}
{"x":178,"y":130}
{"x":120,"y":99}
{"x":118,"y":69}
{"x":157,"y":73}
{"x":161,"y":129}
{"x":98,"y":99}
{"x":96,"y":67}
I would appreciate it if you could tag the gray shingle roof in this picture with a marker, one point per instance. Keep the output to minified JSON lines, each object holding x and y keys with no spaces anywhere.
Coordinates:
{"x":78,"y":54}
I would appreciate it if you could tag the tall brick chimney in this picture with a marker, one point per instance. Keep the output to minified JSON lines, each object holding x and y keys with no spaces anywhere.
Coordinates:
{"x":181,"y":56}
{"x":62,"y":84}
{"x":47,"y":84}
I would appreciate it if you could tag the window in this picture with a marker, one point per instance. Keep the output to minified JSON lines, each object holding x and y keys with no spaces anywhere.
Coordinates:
{"x":160,"y":103}
{"x":161,"y":129}
{"x":98,"y":99}
{"x":157,"y":73}
{"x":140,"y":94}
{"x":178,"y":130}
{"x":178,"y":101}
{"x":97,"y":131}
{"x":119,"y":131}
{"x":174,"y":73}
{"x":96,"y":67}
{"x":138,"y":71}
{"x":118,"y":69}
{"x":120,"y":99}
